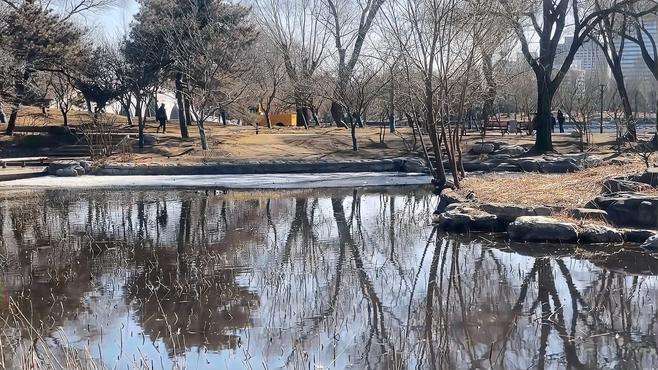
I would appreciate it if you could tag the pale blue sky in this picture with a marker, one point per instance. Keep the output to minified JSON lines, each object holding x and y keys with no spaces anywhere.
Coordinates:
{"x":111,"y":23}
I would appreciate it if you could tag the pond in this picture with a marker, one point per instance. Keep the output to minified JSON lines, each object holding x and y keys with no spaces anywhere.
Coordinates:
{"x":303,"y":279}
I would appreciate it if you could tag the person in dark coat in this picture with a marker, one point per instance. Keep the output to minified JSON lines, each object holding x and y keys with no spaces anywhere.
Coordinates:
{"x":553,"y":122}
{"x":161,"y":117}
{"x":560,"y":120}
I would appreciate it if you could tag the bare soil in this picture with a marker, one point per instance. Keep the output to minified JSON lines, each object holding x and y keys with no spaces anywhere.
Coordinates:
{"x":242,"y":143}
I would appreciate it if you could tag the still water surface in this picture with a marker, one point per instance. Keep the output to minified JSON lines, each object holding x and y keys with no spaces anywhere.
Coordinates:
{"x":316,"y":279}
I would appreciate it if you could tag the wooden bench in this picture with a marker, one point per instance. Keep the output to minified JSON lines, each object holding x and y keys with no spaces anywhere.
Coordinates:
{"x":22,"y":161}
{"x":497,"y":126}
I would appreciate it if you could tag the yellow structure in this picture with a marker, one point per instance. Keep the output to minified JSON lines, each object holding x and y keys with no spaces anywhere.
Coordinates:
{"x":279,"y":119}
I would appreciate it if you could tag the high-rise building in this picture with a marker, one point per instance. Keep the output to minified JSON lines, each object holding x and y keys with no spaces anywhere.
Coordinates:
{"x":588,"y":58}
{"x":632,"y":63}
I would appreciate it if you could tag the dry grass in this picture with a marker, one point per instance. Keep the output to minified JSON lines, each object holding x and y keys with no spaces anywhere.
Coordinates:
{"x":570,"y":190}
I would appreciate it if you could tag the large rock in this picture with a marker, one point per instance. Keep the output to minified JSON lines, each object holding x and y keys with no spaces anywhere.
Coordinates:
{"x":87,"y":166}
{"x":54,"y":166}
{"x":637,"y":235}
{"x":150,"y":139}
{"x":510,"y":212}
{"x":542,"y":229}
{"x":449,"y":197}
{"x":600,"y":234}
{"x":623,"y":185}
{"x":560,"y":165}
{"x":651,"y":244}
{"x":650,"y":177}
{"x":507,"y":167}
{"x":588,"y":214}
{"x":415,"y":165}
{"x":513,"y":150}
{"x":466,"y":218}
{"x":66,"y":172}
{"x":79,"y":169}
{"x":476,"y":166}
{"x":629,"y":209}
{"x":483,"y":148}
{"x":530,"y":165}
{"x":499,"y":158}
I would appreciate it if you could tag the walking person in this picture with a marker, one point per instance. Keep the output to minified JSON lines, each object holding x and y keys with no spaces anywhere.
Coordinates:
{"x":560,"y":120}
{"x":161,"y":117}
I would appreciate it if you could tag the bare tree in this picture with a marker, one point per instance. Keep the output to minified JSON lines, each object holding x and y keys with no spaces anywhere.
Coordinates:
{"x":546,"y":21}
{"x":647,"y":43}
{"x":212,"y":41}
{"x":269,"y":74}
{"x":606,"y":37}
{"x":438,"y":39}
{"x":66,"y":96}
{"x":578,"y":98}
{"x":349,"y":23}
{"x":296,"y":30}
{"x":365,"y":84}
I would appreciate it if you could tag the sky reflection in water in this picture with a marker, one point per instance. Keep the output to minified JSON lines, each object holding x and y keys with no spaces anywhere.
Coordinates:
{"x":304,"y":279}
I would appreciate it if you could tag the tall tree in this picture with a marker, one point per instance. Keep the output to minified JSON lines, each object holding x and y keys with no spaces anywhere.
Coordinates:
{"x":647,"y":43}
{"x":300,"y":36}
{"x":151,"y":26}
{"x":213,"y":38}
{"x":349,"y":22}
{"x":97,"y":78}
{"x":37,"y":40}
{"x":139,"y":66}
{"x":606,"y":36}
{"x":546,"y":21}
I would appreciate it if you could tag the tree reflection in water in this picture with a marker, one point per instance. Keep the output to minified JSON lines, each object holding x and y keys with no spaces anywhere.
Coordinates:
{"x":331,"y":279}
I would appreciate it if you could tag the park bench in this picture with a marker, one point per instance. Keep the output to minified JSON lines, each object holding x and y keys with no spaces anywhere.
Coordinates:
{"x":501,"y":126}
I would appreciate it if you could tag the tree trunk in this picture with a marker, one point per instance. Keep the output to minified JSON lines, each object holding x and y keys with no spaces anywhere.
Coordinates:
{"x":140,"y":122}
{"x":64,"y":115}
{"x":20,"y":93}
{"x":440,"y":174}
{"x":126,"y":108}
{"x":268,"y":120}
{"x":490,"y":97}
{"x":391,"y":105}
{"x":2,"y":114}
{"x":202,"y":135}
{"x":314,"y":113}
{"x":543,"y":141}
{"x":188,"y":112}
{"x":181,"y":107}
{"x":355,"y":144}
{"x":88,"y":104}
{"x":11,"y":125}
{"x":358,"y":120}
{"x":337,"y":114}
{"x":618,"y":75}
{"x":303,"y":116}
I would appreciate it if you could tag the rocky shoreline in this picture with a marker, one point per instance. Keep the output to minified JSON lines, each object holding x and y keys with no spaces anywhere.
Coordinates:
{"x":620,"y":214}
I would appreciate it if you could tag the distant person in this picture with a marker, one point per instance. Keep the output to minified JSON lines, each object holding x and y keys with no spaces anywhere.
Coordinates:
{"x":161,"y":117}
{"x":553,"y":122}
{"x":513,"y":127}
{"x":560,"y":121}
